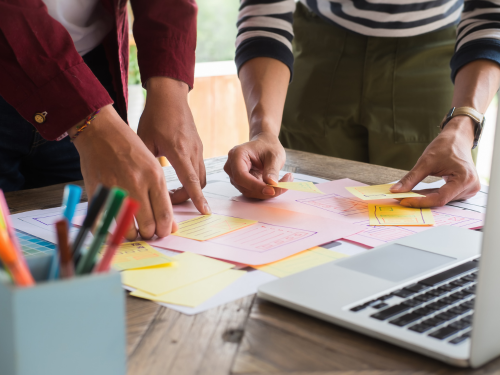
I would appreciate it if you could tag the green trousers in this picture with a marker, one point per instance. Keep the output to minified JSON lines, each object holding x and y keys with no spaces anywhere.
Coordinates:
{"x":376,"y":100}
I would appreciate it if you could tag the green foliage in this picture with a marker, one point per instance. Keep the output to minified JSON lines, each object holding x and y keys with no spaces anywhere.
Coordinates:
{"x":216,"y":35}
{"x":216,"y":30}
{"x":134,"y":77}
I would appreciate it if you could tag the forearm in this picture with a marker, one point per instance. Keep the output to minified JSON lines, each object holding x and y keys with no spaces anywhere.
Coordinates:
{"x":475,"y":86}
{"x":264,"y":82}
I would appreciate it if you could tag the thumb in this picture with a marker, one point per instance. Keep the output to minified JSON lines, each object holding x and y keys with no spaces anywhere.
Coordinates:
{"x":410,"y":180}
{"x":270,"y":174}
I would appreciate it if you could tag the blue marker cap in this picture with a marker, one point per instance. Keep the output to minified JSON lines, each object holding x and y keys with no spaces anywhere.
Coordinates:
{"x":72,"y":195}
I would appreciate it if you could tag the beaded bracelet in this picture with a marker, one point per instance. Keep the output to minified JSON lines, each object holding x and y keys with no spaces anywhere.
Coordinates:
{"x":87,"y":122}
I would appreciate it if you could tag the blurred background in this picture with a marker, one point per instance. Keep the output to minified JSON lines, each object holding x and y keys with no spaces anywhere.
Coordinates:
{"x":217,"y":103}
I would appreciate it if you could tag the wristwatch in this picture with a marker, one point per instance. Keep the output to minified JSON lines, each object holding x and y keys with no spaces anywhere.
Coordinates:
{"x":477,"y":117}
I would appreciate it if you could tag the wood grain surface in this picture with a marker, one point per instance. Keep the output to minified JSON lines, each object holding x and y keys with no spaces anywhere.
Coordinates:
{"x":251,"y":336}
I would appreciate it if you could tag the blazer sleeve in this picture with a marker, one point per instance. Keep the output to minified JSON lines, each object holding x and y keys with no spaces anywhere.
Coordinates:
{"x":165,"y":34}
{"x":42,"y":71}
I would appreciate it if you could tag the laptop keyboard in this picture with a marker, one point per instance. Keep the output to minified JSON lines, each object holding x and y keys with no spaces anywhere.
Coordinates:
{"x":440,"y":306}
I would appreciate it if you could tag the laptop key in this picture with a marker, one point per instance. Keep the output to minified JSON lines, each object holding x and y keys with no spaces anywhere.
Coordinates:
{"x":403,"y":293}
{"x":390,"y":312}
{"x":448,"y":274}
{"x":405,"y":319}
{"x":412,"y":302}
{"x":416,"y":287}
{"x":420,"y":328}
{"x":444,"y":332}
{"x":423,"y":311}
{"x":458,"y":340}
{"x":380,"y":305}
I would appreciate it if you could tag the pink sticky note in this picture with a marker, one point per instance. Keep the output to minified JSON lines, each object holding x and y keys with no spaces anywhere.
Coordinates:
{"x":278,"y":233}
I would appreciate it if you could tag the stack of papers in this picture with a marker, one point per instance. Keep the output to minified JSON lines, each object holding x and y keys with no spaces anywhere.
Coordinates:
{"x":188,"y":281}
{"x":196,"y":268}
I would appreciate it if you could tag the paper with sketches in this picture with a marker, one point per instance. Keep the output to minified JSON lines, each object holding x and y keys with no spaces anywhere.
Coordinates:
{"x":301,"y":262}
{"x":368,"y":193}
{"x":138,"y":254}
{"x":306,"y":187}
{"x":339,"y":204}
{"x":186,"y":269}
{"x":399,"y":215}
{"x":205,"y":227}
{"x":196,"y":293}
{"x":277,"y":235}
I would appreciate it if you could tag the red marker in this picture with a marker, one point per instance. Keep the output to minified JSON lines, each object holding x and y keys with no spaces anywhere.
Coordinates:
{"x":125,"y":219}
{"x":66,"y":267}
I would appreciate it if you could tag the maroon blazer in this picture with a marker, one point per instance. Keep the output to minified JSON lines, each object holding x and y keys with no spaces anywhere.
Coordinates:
{"x":41,"y":71}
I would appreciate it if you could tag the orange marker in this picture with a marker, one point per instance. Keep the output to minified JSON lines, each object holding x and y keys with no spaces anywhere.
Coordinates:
{"x":8,"y":255}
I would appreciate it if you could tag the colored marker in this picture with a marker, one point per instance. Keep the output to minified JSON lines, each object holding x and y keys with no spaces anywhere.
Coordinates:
{"x":8,"y":255}
{"x":113,"y":205}
{"x":125,"y":219}
{"x":4,"y":208}
{"x":95,"y":206}
{"x":71,"y":197}
{"x":67,"y":268}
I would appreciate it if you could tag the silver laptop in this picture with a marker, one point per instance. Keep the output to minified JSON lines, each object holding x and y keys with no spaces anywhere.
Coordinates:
{"x":436,"y":292}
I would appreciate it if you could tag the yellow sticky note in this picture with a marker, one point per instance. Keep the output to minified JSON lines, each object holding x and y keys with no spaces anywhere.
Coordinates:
{"x":205,"y":227}
{"x":300,"y":262}
{"x":196,"y":293}
{"x":307,"y":187}
{"x":399,"y":215}
{"x":368,"y":193}
{"x":137,"y":254}
{"x":184,"y":270}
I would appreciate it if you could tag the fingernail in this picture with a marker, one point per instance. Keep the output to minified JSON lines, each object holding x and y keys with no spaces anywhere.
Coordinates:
{"x":206,"y":209}
{"x":396,"y":186}
{"x":272,"y":180}
{"x":268,"y":190}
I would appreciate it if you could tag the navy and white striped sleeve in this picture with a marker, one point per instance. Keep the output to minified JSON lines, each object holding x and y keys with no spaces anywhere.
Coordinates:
{"x":478,"y":34}
{"x":265,"y":30}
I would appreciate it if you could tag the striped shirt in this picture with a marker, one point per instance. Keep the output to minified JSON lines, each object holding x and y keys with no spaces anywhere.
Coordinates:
{"x":265,"y":26}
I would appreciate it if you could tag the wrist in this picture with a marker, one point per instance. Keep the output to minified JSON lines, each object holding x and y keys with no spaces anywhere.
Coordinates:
{"x":103,"y":121}
{"x":264,"y":127}
{"x":461,"y":126}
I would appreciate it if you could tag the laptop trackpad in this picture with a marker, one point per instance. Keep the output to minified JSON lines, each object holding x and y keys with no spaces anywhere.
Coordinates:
{"x":395,"y":262}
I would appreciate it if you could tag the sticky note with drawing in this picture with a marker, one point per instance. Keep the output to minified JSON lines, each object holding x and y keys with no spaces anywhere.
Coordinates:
{"x":307,"y":187}
{"x":399,"y":215}
{"x":368,"y":193}
{"x":205,"y":227}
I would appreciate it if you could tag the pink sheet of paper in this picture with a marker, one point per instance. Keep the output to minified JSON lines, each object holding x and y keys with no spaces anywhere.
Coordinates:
{"x":337,"y":203}
{"x":278,"y":234}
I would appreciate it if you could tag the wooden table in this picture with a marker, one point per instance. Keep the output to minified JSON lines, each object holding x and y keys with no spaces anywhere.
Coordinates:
{"x":251,"y":336}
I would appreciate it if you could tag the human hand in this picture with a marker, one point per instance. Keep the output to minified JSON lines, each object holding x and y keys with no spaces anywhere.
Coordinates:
{"x":253,"y":165}
{"x":113,"y":155}
{"x":448,"y":156}
{"x":167,"y":129}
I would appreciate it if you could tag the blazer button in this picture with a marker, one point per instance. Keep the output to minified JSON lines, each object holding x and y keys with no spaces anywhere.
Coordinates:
{"x":41,"y":117}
